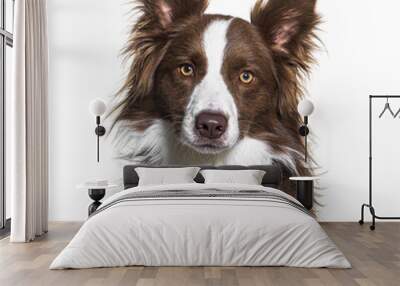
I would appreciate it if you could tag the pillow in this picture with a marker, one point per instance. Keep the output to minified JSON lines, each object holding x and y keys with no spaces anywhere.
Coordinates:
{"x":244,"y":177}
{"x":166,"y":176}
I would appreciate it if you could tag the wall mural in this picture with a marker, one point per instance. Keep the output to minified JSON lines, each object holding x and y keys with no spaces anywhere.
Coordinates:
{"x":214,"y":89}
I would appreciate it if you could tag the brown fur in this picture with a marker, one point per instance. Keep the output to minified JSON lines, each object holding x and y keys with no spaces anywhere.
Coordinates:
{"x":147,"y":45}
{"x":277,"y":46}
{"x":293,"y":56}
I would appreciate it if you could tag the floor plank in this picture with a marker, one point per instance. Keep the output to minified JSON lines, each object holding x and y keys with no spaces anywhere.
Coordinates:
{"x":375,"y":257}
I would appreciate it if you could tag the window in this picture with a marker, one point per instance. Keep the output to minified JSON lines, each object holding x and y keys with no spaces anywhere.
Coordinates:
{"x":6,"y":44}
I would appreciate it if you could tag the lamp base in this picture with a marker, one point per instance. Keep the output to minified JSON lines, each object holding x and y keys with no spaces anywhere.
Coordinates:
{"x":100,"y":131}
{"x":304,"y":131}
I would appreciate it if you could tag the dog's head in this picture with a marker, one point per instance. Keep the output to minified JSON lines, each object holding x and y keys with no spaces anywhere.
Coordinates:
{"x":217,"y":78}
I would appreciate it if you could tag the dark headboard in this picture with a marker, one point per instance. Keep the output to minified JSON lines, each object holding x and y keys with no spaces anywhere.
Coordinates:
{"x":272,"y":178}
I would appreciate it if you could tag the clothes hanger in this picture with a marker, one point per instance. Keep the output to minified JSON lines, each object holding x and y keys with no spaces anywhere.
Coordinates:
{"x":387,"y":107}
{"x":397,"y":113}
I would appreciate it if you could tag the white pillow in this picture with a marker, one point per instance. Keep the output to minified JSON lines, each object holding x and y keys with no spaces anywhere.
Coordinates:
{"x":245,"y":177}
{"x":166,"y":176}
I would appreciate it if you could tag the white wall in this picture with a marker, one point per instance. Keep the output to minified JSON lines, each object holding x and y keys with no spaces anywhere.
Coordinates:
{"x":360,"y":57}
{"x":85,"y":40}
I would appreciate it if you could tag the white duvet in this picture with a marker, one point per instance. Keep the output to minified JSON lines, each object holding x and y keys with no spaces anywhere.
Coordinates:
{"x":200,"y":232}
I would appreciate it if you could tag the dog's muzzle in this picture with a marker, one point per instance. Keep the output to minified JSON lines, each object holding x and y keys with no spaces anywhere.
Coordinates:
{"x":211,"y":125}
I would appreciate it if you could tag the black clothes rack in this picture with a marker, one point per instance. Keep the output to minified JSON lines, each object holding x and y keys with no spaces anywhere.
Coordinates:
{"x":370,"y":204}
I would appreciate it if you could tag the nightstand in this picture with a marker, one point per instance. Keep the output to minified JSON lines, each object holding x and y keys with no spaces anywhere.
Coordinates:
{"x":305,"y":190}
{"x":96,"y":193}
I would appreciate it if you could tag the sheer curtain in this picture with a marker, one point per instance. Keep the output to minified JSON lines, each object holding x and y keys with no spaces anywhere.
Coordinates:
{"x":28,"y":159}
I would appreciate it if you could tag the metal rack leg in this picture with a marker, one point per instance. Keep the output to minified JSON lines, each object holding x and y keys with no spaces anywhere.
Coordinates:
{"x":374,"y":216}
{"x":372,"y":210}
{"x":361,"y":221}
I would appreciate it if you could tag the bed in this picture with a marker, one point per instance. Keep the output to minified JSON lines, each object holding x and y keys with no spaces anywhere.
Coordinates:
{"x":199,"y":224}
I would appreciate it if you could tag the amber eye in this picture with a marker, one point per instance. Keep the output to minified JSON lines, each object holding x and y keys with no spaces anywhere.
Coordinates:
{"x":186,"y":70}
{"x":246,"y":77}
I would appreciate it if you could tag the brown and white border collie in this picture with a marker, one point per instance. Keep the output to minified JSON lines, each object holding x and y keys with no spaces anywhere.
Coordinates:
{"x":214,"y":89}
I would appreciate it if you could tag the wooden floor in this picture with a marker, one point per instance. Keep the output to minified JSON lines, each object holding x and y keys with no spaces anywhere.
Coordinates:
{"x":375,"y":257}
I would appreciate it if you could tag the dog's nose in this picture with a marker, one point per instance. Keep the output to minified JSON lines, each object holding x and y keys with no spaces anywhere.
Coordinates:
{"x":211,"y":125}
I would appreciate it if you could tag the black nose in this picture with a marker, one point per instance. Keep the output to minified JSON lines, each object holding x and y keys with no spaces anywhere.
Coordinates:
{"x":211,"y":125}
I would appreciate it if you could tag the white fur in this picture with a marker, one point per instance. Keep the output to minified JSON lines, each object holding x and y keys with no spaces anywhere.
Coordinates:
{"x":212,"y":93}
{"x":149,"y":147}
{"x":159,"y":145}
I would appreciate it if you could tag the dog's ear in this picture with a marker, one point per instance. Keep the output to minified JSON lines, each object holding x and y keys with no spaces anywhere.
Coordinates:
{"x":162,"y":13}
{"x":285,"y":24}
{"x":148,"y":43}
{"x":288,"y":27}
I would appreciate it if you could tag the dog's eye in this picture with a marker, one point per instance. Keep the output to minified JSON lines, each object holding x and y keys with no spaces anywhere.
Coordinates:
{"x":246,"y":77}
{"x":186,"y":70}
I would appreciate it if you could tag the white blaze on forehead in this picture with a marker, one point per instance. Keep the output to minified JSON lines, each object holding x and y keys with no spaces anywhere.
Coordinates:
{"x":214,"y":43}
{"x":212,"y":93}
